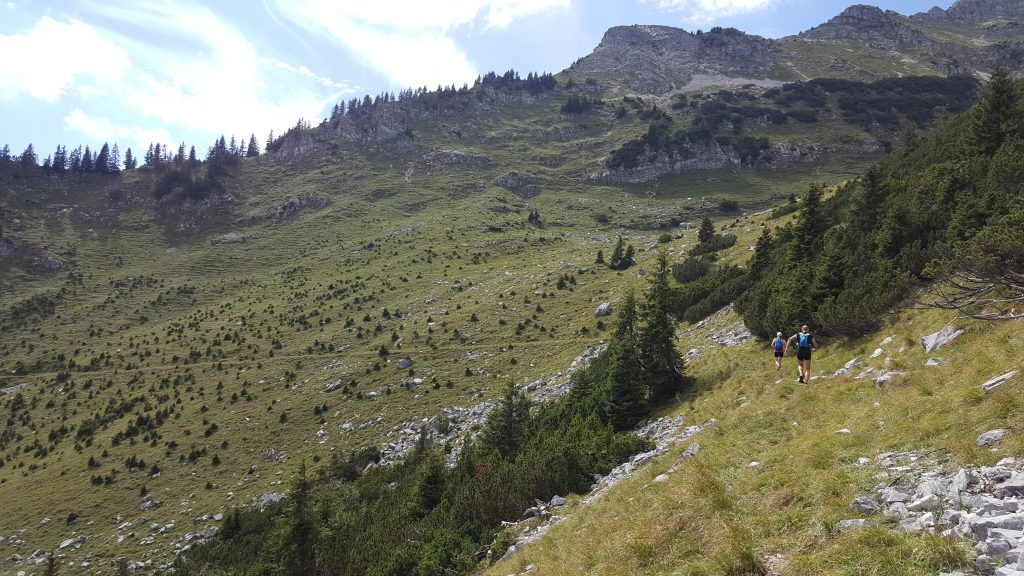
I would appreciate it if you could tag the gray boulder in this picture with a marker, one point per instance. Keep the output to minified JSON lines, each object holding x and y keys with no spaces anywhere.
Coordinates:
{"x":847,"y":525}
{"x":1012,"y":487}
{"x":865,"y":505}
{"x":990,"y":385}
{"x":404,"y":363}
{"x":991,"y":438}
{"x":605,"y":309}
{"x":936,"y":340}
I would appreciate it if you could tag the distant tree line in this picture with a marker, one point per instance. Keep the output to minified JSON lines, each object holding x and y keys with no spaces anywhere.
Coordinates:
{"x":450,"y":97}
{"x":108,"y":160}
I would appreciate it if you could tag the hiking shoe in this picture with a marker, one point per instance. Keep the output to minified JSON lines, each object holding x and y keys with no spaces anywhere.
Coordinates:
{"x":800,"y":379}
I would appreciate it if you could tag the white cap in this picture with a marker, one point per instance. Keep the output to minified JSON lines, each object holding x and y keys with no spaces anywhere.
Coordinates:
{"x":779,"y":334}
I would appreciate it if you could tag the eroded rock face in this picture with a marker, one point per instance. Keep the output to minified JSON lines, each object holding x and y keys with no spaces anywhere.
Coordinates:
{"x":874,"y":27}
{"x":522,"y":184}
{"x":291,"y":207}
{"x":657,"y":59}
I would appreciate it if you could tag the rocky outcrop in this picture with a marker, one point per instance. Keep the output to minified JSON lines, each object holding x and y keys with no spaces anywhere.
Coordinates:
{"x":291,"y":207}
{"x":28,"y":256}
{"x":982,"y":504}
{"x":658,"y":59}
{"x":522,"y":184}
{"x":966,"y":12}
{"x":871,"y":26}
{"x":456,"y":425}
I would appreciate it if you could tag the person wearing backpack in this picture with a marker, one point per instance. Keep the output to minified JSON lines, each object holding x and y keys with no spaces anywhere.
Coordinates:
{"x":778,"y":345}
{"x":805,"y":344}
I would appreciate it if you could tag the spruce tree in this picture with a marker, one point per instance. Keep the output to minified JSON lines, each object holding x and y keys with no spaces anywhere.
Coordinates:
{"x":998,"y":115}
{"x":617,"y":254}
{"x":254,"y":147}
{"x":707,"y":230}
{"x":627,"y":403}
{"x":600,"y":257}
{"x":627,"y":258}
{"x":626,"y":386}
{"x":809,"y":225}
{"x":759,"y":262}
{"x":299,"y":545}
{"x":506,"y":427}
{"x":75,"y":160}
{"x":60,"y":159}
{"x":129,"y":160}
{"x":28,"y":157}
{"x":660,"y":359}
{"x":102,"y":157}
{"x":87,"y":165}
{"x":114,"y":165}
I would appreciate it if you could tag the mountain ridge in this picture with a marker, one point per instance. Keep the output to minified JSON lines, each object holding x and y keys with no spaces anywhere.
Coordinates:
{"x":658,"y":60}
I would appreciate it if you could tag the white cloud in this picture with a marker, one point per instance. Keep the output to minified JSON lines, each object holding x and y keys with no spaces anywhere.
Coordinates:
{"x":219,"y":84}
{"x":100,"y":129}
{"x":44,"y":61}
{"x":704,"y":12}
{"x":410,"y":41}
{"x":303,"y":71}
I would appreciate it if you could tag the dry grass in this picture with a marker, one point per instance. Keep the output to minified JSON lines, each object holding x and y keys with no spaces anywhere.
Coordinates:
{"x":718,"y":515}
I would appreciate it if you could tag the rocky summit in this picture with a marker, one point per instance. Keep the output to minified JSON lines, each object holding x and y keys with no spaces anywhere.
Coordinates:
{"x":863,"y":43}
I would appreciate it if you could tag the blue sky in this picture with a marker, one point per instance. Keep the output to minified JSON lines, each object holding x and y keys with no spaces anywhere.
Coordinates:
{"x":141,"y":71}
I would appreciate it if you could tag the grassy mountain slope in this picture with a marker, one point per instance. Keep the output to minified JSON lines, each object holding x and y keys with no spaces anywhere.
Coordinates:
{"x":194,"y":338}
{"x":719,"y":515}
{"x":157,"y":351}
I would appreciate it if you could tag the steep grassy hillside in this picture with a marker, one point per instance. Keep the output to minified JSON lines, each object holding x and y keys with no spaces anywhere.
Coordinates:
{"x":179,"y":352}
{"x":773,"y":477}
{"x":166,"y":359}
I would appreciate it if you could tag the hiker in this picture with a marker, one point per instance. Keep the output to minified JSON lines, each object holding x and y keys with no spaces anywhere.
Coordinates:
{"x":778,"y":345}
{"x":805,"y":344}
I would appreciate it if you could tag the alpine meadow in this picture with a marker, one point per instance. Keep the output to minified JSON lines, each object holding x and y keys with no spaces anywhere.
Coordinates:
{"x":523,"y":326}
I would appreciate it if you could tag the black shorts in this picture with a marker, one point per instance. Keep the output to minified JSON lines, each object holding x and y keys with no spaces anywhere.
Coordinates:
{"x":779,"y":353}
{"x":803,"y":353}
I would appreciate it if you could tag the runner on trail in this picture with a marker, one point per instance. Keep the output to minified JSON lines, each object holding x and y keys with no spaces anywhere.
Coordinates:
{"x":778,"y":345}
{"x":805,"y":344}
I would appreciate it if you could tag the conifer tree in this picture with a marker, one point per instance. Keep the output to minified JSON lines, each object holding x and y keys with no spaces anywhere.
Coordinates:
{"x":998,"y":115}
{"x":300,"y":550}
{"x":75,"y":160}
{"x":254,"y":148}
{"x":617,"y":254}
{"x":102,"y":157}
{"x":506,"y":427}
{"x":759,"y":262}
{"x":87,"y":161}
{"x":809,"y":225}
{"x":600,"y":257}
{"x":658,"y":339}
{"x":129,"y":160}
{"x":114,"y":165}
{"x":627,"y":258}
{"x":5,"y":153}
{"x":707,"y":230}
{"x":627,"y":403}
{"x":28,"y":157}
{"x":60,"y":159}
